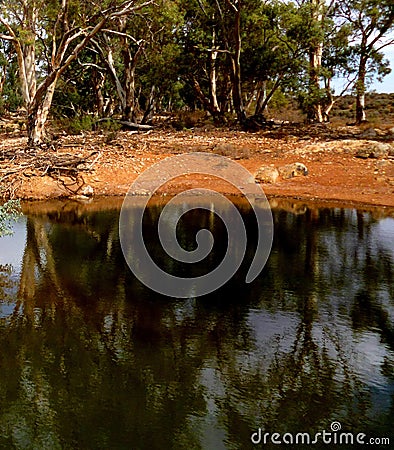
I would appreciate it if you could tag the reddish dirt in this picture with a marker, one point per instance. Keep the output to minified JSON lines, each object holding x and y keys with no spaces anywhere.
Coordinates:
{"x":335,"y":173}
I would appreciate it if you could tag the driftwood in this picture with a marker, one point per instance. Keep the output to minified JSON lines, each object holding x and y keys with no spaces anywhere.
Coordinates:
{"x":125,"y":123}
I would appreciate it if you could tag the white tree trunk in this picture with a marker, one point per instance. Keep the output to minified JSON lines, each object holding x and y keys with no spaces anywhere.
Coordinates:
{"x":315,"y":60}
{"x":360,"y":108}
{"x":212,"y":81}
{"x":38,"y":116}
{"x":29,"y":61}
{"x":38,"y":99}
{"x":118,"y":84}
{"x":212,"y":74}
{"x":360,"y":91}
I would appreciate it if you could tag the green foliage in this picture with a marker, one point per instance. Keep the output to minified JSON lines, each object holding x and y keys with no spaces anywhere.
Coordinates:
{"x":108,"y":126}
{"x":159,"y":68}
{"x":279,"y":101}
{"x":76,"y":125}
{"x":11,"y":98}
{"x":9,"y":212}
{"x":185,"y":41}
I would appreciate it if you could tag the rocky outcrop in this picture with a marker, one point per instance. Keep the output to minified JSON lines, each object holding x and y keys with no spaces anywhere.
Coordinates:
{"x":267,"y":174}
{"x":375,"y":150}
{"x":369,"y":133}
{"x":293,"y":170}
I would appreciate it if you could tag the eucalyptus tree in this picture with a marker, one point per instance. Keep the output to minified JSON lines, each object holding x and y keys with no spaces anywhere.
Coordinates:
{"x":232,"y":31}
{"x":337,"y":63}
{"x":201,"y":58}
{"x":312,"y":28}
{"x":211,"y":40}
{"x":158,"y":74}
{"x":120,"y":51}
{"x":47,"y":37}
{"x":285,"y":48}
{"x":137,"y":49}
{"x":372,"y":21}
{"x":273,"y":54}
{"x":84,"y":89}
{"x":317,"y":16}
{"x":321,"y":38}
{"x":10,"y":96}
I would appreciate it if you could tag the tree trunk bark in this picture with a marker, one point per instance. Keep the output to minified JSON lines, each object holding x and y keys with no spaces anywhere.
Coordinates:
{"x":98,"y":79}
{"x":212,"y":82}
{"x":205,"y":101}
{"x":329,"y":104}
{"x":264,"y":98}
{"x":327,"y":110}
{"x":99,"y":101}
{"x":3,"y":76}
{"x":360,"y":109}
{"x":225,"y":104}
{"x":37,"y":116}
{"x":261,"y":96}
{"x":315,"y":113}
{"x":150,"y":107}
{"x":200,"y":94}
{"x":236,"y":69}
{"x":212,"y":75}
{"x":130,"y":61}
{"x":360,"y":93}
{"x":109,"y":61}
{"x":128,"y":112}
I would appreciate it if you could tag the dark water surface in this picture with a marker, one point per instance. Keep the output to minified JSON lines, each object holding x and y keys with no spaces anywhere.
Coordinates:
{"x":91,"y":359}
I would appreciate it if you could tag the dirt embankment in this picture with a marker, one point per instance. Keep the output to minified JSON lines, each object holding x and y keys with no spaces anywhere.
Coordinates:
{"x":107,"y":164}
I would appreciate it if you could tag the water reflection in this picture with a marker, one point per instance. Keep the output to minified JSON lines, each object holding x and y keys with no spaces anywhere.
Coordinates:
{"x":92,"y":359}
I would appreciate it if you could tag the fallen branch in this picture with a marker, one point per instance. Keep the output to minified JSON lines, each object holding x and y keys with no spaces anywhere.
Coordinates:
{"x":129,"y":125}
{"x":135,"y":126}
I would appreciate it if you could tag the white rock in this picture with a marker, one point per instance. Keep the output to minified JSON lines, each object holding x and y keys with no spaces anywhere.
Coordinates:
{"x":293,"y":170}
{"x":87,"y":191}
{"x":267,"y":174}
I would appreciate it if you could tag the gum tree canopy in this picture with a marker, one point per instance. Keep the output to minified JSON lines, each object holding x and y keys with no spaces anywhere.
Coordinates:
{"x":48,"y":35}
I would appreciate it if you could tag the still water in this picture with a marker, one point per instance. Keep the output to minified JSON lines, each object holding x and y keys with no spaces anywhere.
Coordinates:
{"x":91,"y":359}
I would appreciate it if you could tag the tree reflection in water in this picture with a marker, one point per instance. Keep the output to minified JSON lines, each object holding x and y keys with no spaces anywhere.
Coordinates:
{"x":92,"y":359}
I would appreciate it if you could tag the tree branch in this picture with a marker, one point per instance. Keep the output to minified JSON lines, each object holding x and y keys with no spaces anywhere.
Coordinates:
{"x":231,"y":5}
{"x":7,"y":38}
{"x":19,"y":54}
{"x":391,"y":42}
{"x":119,"y":33}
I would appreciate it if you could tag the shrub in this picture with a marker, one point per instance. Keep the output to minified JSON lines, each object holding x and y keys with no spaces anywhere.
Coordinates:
{"x":108,"y":126}
{"x":76,"y":125}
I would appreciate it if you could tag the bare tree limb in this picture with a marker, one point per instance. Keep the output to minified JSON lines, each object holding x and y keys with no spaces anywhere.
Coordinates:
{"x":119,"y":33}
